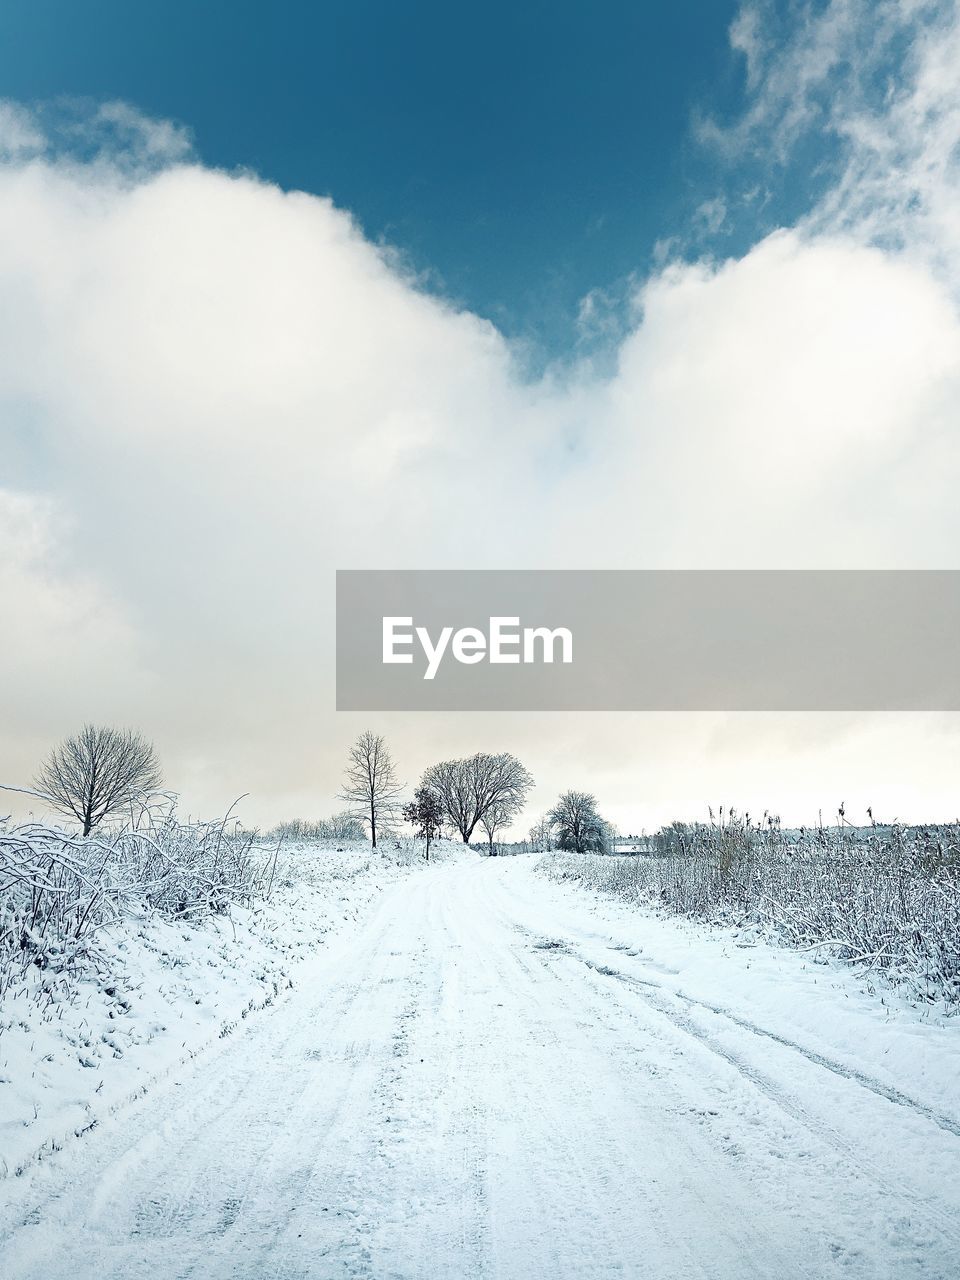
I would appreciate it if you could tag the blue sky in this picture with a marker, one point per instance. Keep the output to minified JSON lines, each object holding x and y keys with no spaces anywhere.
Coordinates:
{"x":520,"y":155}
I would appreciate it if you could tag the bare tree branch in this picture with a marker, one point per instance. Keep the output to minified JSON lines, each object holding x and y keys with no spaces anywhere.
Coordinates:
{"x":473,"y":788}
{"x":371,"y":787}
{"x":97,"y":772}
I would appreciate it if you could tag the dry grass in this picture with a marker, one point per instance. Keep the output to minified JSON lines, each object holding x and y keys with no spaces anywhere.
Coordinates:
{"x":886,"y":898}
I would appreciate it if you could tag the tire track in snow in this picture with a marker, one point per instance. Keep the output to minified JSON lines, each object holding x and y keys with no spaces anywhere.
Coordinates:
{"x":625,"y":1159}
{"x":877,"y":1087}
{"x":939,"y":1220}
{"x":258,"y":1163}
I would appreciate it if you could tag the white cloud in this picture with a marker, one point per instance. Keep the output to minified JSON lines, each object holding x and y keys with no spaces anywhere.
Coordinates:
{"x":19,"y":134}
{"x":712,"y":215}
{"x":812,"y":72}
{"x":749,"y":38}
{"x":228,"y":393}
{"x":901,"y":180}
{"x":880,"y":83}
{"x":126,"y":134}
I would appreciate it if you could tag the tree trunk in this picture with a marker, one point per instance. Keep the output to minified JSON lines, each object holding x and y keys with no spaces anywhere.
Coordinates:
{"x":373,"y":825}
{"x":88,"y":808}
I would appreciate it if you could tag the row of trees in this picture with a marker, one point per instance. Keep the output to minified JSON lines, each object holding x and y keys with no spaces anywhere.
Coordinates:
{"x":100,"y":771}
{"x":342,"y":826}
{"x":482,"y":790}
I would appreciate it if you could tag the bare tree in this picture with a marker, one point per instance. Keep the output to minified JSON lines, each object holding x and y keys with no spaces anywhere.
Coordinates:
{"x":541,"y":837}
{"x":343,"y":826}
{"x":577,"y":824}
{"x":448,"y":780}
{"x":494,"y":819}
{"x":371,"y":787}
{"x":97,"y":772}
{"x":472,"y":788}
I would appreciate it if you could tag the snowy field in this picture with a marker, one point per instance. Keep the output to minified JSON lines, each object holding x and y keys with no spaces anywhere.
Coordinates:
{"x":485,"y":1073}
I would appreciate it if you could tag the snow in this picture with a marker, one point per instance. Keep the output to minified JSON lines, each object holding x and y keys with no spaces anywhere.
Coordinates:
{"x":484,"y":1073}
{"x":166,"y":991}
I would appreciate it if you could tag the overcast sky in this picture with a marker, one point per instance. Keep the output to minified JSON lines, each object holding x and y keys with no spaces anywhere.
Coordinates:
{"x":720,"y":334}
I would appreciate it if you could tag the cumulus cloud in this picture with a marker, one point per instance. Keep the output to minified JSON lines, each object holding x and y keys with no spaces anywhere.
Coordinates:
{"x":217,"y":392}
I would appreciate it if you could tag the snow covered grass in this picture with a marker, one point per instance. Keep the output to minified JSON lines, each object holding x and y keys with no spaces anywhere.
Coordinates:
{"x":59,"y":891}
{"x":886,"y":899}
{"x":121,"y":956}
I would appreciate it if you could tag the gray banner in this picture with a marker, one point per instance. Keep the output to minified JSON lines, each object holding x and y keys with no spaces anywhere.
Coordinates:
{"x":648,"y":640}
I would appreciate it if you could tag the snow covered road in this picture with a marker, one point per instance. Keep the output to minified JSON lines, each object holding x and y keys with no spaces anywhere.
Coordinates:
{"x":497,"y":1077}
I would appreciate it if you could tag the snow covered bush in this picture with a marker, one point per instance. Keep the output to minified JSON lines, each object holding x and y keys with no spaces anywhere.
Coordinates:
{"x":58,"y":890}
{"x":885,"y":897}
